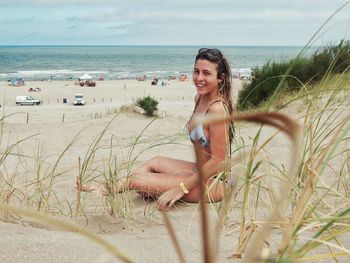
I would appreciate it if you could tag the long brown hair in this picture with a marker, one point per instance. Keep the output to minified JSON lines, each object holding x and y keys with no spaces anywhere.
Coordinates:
{"x":224,"y":73}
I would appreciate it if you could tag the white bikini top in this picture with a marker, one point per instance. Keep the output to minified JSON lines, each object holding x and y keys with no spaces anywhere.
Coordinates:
{"x":198,"y":132}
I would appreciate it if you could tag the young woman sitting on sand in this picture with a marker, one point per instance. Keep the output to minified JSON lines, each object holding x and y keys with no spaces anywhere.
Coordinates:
{"x":171,"y":179}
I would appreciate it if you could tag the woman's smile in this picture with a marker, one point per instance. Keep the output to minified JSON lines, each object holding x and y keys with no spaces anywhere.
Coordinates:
{"x":205,"y":77}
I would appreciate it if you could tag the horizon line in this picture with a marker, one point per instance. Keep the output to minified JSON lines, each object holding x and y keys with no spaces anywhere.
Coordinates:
{"x":145,"y":45}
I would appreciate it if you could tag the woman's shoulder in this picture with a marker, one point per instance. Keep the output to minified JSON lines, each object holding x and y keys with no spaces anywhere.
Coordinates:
{"x":217,"y":107}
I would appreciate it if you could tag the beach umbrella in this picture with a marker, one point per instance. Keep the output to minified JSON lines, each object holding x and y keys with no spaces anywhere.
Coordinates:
{"x":85,"y":77}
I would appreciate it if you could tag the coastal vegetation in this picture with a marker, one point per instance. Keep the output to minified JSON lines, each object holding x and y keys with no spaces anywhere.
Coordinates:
{"x":266,"y":81}
{"x":297,"y":210}
{"x":290,"y":210}
{"x":148,"y":104}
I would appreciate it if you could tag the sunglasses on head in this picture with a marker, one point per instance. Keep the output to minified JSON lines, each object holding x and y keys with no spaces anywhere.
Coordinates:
{"x":213,"y":52}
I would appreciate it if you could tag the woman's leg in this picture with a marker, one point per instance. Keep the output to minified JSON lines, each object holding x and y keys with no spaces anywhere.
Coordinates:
{"x":144,"y":178}
{"x":157,"y":183}
{"x":161,"y":174}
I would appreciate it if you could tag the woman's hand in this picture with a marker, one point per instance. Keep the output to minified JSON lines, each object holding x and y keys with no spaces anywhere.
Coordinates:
{"x":167,"y":199}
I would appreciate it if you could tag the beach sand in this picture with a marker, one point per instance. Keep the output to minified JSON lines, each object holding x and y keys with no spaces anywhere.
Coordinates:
{"x":142,"y":236}
{"x":53,"y":126}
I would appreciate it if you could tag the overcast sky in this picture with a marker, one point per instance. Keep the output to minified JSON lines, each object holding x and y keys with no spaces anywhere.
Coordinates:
{"x":174,"y":22}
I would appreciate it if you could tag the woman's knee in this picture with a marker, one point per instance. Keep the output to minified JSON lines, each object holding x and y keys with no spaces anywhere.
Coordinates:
{"x":136,"y":182}
{"x":156,"y":160}
{"x":133,"y":184}
{"x":139,"y":179}
{"x":146,"y":167}
{"x":153,"y":164}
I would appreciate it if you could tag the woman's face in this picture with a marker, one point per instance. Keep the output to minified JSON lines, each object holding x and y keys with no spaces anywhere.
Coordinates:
{"x":205,"y":77}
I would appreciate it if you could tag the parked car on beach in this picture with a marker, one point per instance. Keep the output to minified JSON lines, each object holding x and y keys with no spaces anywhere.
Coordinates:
{"x":27,"y":100}
{"x":79,"y":99}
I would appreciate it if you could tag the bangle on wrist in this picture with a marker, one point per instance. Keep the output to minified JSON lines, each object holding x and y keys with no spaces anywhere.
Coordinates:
{"x":183,"y":188}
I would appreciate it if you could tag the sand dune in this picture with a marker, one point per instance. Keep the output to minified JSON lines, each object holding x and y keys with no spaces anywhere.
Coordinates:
{"x":52,"y":126}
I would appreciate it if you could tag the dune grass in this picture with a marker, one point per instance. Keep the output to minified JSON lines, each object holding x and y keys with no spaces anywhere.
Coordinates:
{"x":325,"y":62}
{"x":311,"y":212}
{"x":315,"y":206}
{"x":312,"y":216}
{"x":295,"y":211}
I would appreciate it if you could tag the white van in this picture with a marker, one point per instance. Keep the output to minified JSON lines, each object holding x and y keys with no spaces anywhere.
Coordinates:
{"x":79,"y":99}
{"x":27,"y":100}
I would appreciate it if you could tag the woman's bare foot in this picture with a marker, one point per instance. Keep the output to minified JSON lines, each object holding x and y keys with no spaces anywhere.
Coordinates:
{"x":121,"y":185}
{"x":90,"y":188}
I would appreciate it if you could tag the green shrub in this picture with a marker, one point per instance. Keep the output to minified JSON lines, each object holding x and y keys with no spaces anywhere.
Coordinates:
{"x":148,"y":104}
{"x":326,"y":60}
{"x":263,"y":84}
{"x":341,"y":55}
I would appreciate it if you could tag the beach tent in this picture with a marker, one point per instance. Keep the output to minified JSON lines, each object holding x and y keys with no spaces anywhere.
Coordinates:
{"x":17,"y":82}
{"x":85,"y":77}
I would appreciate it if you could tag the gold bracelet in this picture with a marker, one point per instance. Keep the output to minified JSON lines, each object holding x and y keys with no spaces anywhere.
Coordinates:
{"x":183,"y":188}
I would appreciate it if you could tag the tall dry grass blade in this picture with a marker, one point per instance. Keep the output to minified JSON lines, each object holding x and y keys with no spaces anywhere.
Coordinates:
{"x":138,"y":137}
{"x":299,"y":212}
{"x":3,"y":118}
{"x":275,"y":119}
{"x":244,"y":238}
{"x":173,"y":237}
{"x":206,"y":241}
{"x":90,"y":154}
{"x":54,"y":221}
{"x":316,"y":242}
{"x":307,"y":191}
{"x":292,"y":129}
{"x":319,"y":257}
{"x":9,"y":149}
{"x":243,"y":241}
{"x":78,"y":189}
{"x":228,"y":199}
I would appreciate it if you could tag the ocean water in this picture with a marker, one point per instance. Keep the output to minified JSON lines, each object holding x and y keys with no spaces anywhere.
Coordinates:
{"x":118,"y":62}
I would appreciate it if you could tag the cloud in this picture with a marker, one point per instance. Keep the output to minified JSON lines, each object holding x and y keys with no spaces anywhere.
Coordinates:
{"x":180,"y":4}
{"x":174,"y":22}
{"x":102,"y":16}
{"x":23,"y":20}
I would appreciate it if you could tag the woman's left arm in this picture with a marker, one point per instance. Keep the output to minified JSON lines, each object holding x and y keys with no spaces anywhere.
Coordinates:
{"x":219,"y":140}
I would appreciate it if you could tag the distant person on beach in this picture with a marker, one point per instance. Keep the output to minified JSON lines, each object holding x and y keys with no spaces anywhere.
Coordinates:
{"x":154,"y":81}
{"x":170,"y":180}
{"x":183,"y":77}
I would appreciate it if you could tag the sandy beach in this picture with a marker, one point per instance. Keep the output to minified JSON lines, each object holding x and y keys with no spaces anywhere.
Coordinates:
{"x":53,"y":125}
{"x":48,"y":129}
